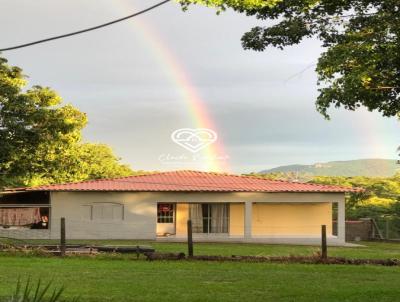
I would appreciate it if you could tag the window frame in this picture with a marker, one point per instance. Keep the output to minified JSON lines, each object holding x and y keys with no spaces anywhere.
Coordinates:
{"x":206,"y":220}
{"x":170,"y":217}
{"x":101,"y":203}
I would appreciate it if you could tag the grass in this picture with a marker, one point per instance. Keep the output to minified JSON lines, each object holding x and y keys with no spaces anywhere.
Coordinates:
{"x":123,"y":279}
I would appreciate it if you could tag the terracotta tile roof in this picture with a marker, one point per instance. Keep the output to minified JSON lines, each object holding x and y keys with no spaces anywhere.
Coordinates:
{"x":190,"y":181}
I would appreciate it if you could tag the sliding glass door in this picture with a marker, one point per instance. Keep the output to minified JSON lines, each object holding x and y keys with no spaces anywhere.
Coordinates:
{"x":209,"y":217}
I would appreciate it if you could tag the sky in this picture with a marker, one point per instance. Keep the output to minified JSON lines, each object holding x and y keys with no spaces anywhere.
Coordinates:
{"x":141,"y":80}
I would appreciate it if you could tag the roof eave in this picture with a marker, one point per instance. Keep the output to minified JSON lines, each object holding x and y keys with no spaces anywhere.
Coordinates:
{"x":177,"y":191}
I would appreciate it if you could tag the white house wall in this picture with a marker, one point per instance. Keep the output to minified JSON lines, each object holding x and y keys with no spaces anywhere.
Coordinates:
{"x":140,"y":210}
{"x":139,"y":216}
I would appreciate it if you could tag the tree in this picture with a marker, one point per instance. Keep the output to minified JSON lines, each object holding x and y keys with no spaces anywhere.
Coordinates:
{"x":99,"y":161}
{"x":235,"y":4}
{"x":381,"y":196}
{"x":41,"y":138}
{"x":361,"y":64}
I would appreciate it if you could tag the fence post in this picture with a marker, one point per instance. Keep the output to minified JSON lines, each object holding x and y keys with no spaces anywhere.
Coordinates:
{"x":373,"y":235}
{"x":62,"y":237}
{"x":375,"y":225}
{"x":387,"y":228}
{"x":324,"y":248}
{"x":190,"y":238}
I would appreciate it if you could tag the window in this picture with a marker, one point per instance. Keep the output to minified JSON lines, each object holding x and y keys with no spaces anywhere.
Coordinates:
{"x":103,"y":211}
{"x":165,"y":213}
{"x":26,"y":210}
{"x":209,"y":218}
{"x":24,"y":217}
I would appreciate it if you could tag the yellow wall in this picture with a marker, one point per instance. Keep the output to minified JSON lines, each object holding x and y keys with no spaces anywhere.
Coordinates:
{"x":291,"y":218}
{"x":270,"y":218}
{"x":182,"y":216}
{"x":236,"y":219}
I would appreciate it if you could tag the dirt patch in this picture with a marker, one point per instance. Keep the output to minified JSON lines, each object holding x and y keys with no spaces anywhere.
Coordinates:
{"x":315,"y":259}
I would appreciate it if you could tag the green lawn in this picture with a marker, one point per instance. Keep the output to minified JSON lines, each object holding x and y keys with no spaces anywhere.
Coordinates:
{"x":124,"y":279}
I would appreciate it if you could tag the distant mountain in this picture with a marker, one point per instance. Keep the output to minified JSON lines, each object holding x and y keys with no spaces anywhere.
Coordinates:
{"x":359,"y":167}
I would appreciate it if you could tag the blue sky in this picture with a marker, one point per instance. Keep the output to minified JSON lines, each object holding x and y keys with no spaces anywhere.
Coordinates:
{"x":265,"y":116}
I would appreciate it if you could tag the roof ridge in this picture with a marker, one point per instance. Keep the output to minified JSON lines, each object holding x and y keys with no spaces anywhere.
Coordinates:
{"x":245,"y":176}
{"x":174,"y":178}
{"x":294,"y":182}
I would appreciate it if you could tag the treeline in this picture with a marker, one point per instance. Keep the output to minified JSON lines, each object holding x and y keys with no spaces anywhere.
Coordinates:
{"x":381,"y":198}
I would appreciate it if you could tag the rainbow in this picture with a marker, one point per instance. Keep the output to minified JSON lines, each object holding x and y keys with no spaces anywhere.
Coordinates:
{"x":378,"y":134}
{"x":179,"y":77}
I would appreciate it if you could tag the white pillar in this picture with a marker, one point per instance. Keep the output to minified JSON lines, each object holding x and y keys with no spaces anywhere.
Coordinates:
{"x":341,"y":222}
{"x":248,"y":217}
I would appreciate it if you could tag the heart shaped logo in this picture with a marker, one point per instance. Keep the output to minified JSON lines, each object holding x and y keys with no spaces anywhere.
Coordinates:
{"x":194,"y":140}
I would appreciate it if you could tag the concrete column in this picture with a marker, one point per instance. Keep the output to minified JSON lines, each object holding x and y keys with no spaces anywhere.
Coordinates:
{"x":341,"y":221}
{"x":248,"y":217}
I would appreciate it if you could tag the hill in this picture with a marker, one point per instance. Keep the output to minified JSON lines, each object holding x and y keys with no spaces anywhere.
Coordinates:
{"x":359,"y":167}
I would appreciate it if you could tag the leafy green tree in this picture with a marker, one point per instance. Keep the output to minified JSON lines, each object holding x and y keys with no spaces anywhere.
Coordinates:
{"x":381,"y":197}
{"x":99,"y":161}
{"x":361,"y":62}
{"x":41,"y":138}
{"x":236,"y":4}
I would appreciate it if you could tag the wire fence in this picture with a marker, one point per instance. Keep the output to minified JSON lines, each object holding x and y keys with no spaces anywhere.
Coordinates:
{"x":389,"y":227}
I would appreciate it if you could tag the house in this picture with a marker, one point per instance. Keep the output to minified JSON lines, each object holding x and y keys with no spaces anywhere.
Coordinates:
{"x":221,"y":207}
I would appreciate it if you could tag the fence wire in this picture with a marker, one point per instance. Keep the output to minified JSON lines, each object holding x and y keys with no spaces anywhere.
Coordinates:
{"x":389,"y":227}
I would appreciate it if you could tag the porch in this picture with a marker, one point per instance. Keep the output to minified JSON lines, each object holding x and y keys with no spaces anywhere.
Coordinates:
{"x":258,"y":222}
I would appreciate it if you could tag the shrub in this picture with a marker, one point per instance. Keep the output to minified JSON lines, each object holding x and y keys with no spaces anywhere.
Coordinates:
{"x":37,"y":293}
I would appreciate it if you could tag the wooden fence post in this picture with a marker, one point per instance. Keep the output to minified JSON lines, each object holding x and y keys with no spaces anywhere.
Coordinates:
{"x":324,"y":248}
{"x":373,"y":235}
{"x":387,"y":227}
{"x":190,"y":238}
{"x":62,"y":237}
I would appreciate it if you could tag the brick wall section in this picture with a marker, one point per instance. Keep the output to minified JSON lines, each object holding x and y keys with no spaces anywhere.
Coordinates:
{"x":361,"y":229}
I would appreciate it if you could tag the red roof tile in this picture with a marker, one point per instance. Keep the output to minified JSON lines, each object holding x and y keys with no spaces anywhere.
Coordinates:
{"x":193,"y":181}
